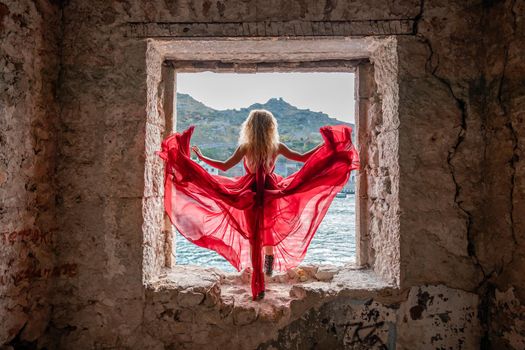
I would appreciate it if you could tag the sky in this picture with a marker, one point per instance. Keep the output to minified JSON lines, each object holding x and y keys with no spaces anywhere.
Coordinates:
{"x":331,"y":93}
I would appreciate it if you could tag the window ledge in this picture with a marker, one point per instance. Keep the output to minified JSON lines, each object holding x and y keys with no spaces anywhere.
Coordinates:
{"x":287,"y":294}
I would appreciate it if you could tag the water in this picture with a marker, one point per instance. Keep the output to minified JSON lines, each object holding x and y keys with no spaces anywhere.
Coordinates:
{"x":333,"y":243}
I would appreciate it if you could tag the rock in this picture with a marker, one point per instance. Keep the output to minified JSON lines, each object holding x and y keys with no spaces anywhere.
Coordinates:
{"x":246,"y":275}
{"x":309,"y":270}
{"x":189,"y":298}
{"x":212,"y":298}
{"x":243,"y":316}
{"x":326,"y":273}
{"x":292,"y":274}
{"x":280,"y":278}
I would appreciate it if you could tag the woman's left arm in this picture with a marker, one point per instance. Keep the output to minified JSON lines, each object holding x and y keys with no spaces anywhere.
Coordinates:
{"x":293,"y":155}
{"x":219,"y":164}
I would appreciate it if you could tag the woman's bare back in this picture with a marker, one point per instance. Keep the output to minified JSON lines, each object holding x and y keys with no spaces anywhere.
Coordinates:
{"x":286,"y":152}
{"x":252,"y":169}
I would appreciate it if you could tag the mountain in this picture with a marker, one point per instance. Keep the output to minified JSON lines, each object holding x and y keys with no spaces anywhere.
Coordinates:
{"x":217,"y":131}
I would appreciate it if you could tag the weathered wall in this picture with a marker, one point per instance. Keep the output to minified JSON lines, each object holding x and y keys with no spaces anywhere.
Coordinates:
{"x":29,"y":68}
{"x":440,"y":163}
{"x":100,"y":178}
{"x":470,"y":132}
{"x":382,"y":163}
{"x":499,"y":232}
{"x":461,"y":180}
{"x":480,"y":247}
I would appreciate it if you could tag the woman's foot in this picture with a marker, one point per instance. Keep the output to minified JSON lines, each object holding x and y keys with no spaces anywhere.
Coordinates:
{"x":260,"y":296}
{"x":268,"y":265}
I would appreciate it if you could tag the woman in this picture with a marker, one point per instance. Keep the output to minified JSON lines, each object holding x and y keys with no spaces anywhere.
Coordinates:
{"x":239,"y":216}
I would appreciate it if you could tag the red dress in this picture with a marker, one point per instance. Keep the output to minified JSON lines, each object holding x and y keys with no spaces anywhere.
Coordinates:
{"x":237,"y":216}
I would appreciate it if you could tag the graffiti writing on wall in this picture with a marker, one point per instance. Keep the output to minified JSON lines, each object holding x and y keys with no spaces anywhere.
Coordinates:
{"x":35,"y":273}
{"x":31,"y":235}
{"x":359,"y":334}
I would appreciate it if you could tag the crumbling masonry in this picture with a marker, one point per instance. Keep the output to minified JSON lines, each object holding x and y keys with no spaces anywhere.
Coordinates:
{"x":83,"y":107}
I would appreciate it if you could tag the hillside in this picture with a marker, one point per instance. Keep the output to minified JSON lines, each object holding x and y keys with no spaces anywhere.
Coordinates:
{"x":217,"y":131}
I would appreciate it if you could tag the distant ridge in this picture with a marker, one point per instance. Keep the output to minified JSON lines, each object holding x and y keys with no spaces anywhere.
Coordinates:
{"x":217,"y":131}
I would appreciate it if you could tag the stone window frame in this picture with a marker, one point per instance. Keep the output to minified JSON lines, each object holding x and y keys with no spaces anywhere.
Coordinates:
{"x":374,"y":62}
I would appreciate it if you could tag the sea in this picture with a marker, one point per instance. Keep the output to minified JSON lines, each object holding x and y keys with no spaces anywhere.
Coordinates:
{"x":333,"y":243}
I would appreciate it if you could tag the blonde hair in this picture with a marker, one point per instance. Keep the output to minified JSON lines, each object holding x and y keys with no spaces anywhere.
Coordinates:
{"x":260,"y":138}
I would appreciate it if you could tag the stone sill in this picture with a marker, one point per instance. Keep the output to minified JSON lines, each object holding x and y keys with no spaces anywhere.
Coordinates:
{"x":287,"y":294}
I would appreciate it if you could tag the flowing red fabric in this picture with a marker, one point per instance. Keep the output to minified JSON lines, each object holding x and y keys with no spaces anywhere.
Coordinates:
{"x":238,"y":216}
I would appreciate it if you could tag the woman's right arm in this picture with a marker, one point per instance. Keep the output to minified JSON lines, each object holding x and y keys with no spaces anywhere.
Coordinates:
{"x":293,"y":155}
{"x":219,"y":164}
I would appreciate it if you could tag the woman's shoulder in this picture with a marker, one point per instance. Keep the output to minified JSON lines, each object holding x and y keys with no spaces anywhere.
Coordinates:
{"x":282,"y":148}
{"x":243,"y":148}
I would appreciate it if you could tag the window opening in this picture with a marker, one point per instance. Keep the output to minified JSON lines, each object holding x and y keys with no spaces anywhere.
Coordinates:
{"x":217,"y":104}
